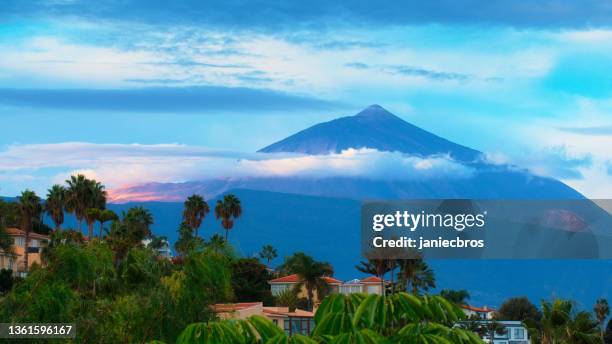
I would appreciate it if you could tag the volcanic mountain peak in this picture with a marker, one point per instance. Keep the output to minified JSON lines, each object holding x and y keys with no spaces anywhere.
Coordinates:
{"x":373,"y":127}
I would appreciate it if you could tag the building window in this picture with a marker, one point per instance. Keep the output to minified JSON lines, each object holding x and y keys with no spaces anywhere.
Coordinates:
{"x":275,"y":322}
{"x":519,"y":333}
{"x":19,"y":241}
{"x":295,"y":325}
{"x":350,"y":289}
{"x":278,"y":289}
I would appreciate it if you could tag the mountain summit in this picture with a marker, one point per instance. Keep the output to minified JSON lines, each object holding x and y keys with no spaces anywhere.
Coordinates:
{"x":373,"y":127}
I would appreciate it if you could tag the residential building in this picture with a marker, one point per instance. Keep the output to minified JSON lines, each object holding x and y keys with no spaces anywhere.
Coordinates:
{"x":279,"y":285}
{"x":37,"y":242}
{"x":369,"y":285}
{"x":473,"y":312}
{"x":294,"y":322}
{"x":164,"y":251}
{"x":512,"y":332}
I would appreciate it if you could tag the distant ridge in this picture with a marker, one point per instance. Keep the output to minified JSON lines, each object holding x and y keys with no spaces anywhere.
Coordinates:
{"x":373,"y":127}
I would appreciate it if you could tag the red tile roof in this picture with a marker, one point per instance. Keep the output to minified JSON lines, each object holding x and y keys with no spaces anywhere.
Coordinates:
{"x":372,"y":280}
{"x":232,"y":307}
{"x":19,"y":232}
{"x":296,"y":279}
{"x":477,"y":309}
{"x":283,"y":311}
{"x":331,"y":280}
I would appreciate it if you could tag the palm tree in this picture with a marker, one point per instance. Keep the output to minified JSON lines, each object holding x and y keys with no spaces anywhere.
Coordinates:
{"x":310,"y":273}
{"x":228,"y":210}
{"x":376,"y":267}
{"x":268,"y":252}
{"x":77,"y":194}
{"x":561,"y":325}
{"x":416,"y":273}
{"x":602,"y":310}
{"x":216,"y":243}
{"x":29,"y":211}
{"x":458,"y":297}
{"x":105,"y":216}
{"x":140,"y":221}
{"x":91,"y":216}
{"x":55,"y":204}
{"x":194,"y":212}
{"x":96,"y":202}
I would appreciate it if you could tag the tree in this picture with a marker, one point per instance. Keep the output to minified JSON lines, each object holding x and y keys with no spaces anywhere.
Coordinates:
{"x":216,"y":243}
{"x":560,"y":324}
{"x":376,"y":267}
{"x":520,"y":309}
{"x":77,"y":197}
{"x":96,"y":203}
{"x":268,"y":252}
{"x":416,"y":273}
{"x":30,"y":211}
{"x":287,"y":298}
{"x":129,"y":232}
{"x":195,"y":209}
{"x":91,"y":216}
{"x":105,"y":216}
{"x":458,"y":297}
{"x":602,"y":310}
{"x":250,"y":281}
{"x":608,"y":335}
{"x":228,"y":211}
{"x":140,"y":220}
{"x":310,"y":273}
{"x":55,"y":204}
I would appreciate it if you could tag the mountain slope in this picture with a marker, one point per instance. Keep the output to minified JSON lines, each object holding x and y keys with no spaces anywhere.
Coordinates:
{"x":374,"y":127}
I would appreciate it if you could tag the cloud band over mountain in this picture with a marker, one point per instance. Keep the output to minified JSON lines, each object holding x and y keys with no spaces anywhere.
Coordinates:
{"x":121,"y":164}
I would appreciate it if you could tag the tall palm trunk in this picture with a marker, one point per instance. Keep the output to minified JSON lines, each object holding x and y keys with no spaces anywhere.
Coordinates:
{"x":26,"y":257}
{"x":90,"y":230}
{"x":27,"y":227}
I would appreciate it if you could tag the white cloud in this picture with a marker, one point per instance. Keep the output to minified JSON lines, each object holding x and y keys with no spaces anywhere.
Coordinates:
{"x":119,"y":165}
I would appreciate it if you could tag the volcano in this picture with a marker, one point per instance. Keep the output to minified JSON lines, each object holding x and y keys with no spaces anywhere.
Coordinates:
{"x":378,"y":129}
{"x":374,"y":128}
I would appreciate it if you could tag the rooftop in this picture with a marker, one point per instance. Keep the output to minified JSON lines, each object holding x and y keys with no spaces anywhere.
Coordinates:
{"x":18,"y":232}
{"x":484,"y":309}
{"x":296,"y":279}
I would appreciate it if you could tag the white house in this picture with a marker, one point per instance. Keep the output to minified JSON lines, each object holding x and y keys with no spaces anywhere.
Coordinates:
{"x":514,"y":332}
{"x":369,"y":285}
{"x":164,"y":251}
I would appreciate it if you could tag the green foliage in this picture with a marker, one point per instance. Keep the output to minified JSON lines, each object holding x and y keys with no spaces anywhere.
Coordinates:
{"x":194,"y":212}
{"x":250,"y":281}
{"x":5,"y":240}
{"x":141,"y":299}
{"x":357,"y":318}
{"x":520,"y":309}
{"x":287,"y":298}
{"x":9,"y":214}
{"x":310,"y":272}
{"x":228,"y":210}
{"x":55,"y":204}
{"x":6,"y":281}
{"x":41,"y":297}
{"x":268,"y":252}
{"x":187,"y":241}
{"x":458,"y":297}
{"x":560,"y":324}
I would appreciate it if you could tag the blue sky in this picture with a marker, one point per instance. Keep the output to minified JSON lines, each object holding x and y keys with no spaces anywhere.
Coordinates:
{"x":528,"y":83}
